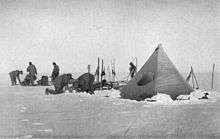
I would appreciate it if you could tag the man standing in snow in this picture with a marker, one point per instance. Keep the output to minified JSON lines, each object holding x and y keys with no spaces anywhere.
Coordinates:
{"x":55,"y":71}
{"x":14,"y":75}
{"x":32,"y":72}
{"x":132,"y":69}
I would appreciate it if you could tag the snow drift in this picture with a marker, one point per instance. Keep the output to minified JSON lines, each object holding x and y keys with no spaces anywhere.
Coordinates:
{"x":160,"y":98}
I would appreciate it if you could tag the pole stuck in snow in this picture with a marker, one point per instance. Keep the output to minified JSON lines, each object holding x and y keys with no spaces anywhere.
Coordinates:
{"x":97,"y":70}
{"x":113,"y":70}
{"x":213,"y":70}
{"x":102,"y":68}
{"x":89,"y":68}
{"x":109,"y":73}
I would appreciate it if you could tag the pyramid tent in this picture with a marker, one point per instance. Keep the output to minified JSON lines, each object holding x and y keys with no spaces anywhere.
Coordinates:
{"x":158,"y":75}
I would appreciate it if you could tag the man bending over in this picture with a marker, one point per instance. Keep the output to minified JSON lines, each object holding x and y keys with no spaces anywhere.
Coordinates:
{"x":14,"y":75}
{"x":59,"y":83}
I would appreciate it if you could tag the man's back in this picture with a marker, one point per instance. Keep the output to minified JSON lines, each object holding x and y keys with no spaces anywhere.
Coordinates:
{"x":85,"y":82}
{"x":14,"y":73}
{"x":61,"y":81}
{"x":32,"y":69}
{"x":56,"y":68}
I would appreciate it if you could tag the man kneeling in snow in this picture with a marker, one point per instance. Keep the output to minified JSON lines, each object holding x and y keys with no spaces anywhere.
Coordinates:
{"x":84,"y":83}
{"x":59,"y":83}
{"x":28,"y":80}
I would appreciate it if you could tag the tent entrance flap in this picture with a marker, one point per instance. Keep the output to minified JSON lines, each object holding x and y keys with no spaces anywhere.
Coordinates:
{"x":147,"y":78}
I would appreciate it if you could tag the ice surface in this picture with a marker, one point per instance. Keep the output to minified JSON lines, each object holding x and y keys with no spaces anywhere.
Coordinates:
{"x":105,"y":115}
{"x":108,"y":93}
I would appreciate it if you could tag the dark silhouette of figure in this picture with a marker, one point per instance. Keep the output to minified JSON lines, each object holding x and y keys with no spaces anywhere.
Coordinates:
{"x":132,"y":69}
{"x":85,"y":83}
{"x":31,"y":69}
{"x":59,"y":83}
{"x":14,"y":75}
{"x":55,"y":72}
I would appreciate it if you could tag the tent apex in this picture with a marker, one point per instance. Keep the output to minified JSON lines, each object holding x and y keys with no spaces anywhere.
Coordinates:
{"x":159,"y":46}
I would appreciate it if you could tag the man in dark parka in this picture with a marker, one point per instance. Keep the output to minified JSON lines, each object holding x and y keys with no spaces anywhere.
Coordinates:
{"x":14,"y":75}
{"x":132,"y":69}
{"x":32,"y":72}
{"x":59,"y":83}
{"x":55,"y":72}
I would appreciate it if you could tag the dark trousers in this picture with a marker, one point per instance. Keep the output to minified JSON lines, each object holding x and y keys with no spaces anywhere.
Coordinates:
{"x":132,"y":74}
{"x":13,"y":79}
{"x":54,"y":75}
{"x":32,"y":79}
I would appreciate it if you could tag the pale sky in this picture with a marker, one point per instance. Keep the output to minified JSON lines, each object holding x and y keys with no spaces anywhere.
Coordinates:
{"x":73,"y":33}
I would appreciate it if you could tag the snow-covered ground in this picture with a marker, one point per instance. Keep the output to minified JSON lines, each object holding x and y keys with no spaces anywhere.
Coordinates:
{"x":26,"y":112}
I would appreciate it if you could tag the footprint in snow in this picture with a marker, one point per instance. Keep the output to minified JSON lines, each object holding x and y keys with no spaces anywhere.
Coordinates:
{"x":25,"y":120}
{"x":45,"y":130}
{"x":37,"y":123}
{"x":26,"y":136}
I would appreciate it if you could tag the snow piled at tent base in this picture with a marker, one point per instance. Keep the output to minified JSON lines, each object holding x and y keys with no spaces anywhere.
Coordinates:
{"x":160,"y":98}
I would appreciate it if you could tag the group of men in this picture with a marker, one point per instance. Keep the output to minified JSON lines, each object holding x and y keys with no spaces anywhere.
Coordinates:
{"x":83,"y":83}
{"x":31,"y":77}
